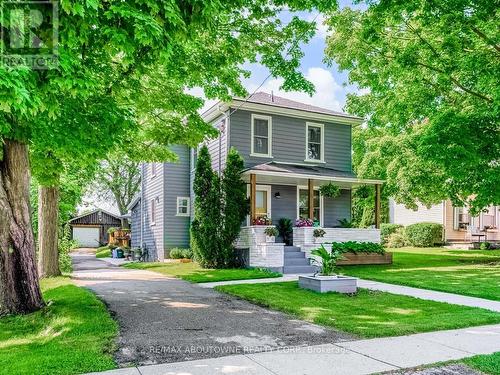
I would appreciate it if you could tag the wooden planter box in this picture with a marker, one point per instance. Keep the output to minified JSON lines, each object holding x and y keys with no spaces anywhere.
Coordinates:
{"x":351,"y":259}
{"x":324,"y":284}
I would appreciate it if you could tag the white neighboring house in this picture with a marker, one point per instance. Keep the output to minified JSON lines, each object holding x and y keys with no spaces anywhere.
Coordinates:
{"x":459,"y":225}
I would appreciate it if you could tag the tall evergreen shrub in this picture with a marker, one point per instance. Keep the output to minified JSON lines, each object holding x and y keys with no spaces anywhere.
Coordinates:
{"x":220,"y":207}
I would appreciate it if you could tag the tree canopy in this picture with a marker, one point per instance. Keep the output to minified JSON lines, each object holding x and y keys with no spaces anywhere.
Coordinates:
{"x":429,"y":73}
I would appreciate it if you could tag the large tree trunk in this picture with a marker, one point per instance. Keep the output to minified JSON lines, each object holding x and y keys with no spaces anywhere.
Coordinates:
{"x":48,"y":252}
{"x":19,"y":287}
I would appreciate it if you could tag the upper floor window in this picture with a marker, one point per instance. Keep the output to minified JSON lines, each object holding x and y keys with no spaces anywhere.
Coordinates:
{"x":315,"y":142}
{"x":261,"y":136}
{"x":153,"y":170}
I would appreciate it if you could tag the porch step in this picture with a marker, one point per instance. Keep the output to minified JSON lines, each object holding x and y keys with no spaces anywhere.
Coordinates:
{"x":299,"y":269}
{"x":293,"y":254}
{"x":292,"y":249}
{"x":296,"y":262}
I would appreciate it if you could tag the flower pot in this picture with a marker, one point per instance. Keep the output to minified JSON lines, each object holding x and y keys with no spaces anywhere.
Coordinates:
{"x":324,"y":284}
{"x":270,"y":238}
{"x":318,"y":239}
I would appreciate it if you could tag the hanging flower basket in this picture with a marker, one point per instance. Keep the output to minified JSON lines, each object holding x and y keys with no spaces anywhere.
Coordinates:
{"x":330,"y":190}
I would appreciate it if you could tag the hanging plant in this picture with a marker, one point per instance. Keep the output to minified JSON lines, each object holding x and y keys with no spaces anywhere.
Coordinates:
{"x":330,"y":190}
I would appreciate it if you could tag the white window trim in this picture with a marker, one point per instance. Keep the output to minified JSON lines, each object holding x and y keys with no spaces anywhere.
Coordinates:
{"x":266,"y":188}
{"x":152,"y":211}
{"x":322,"y":127}
{"x":269,"y":136}
{"x":153,"y":170}
{"x":321,"y":203}
{"x":188,"y":207}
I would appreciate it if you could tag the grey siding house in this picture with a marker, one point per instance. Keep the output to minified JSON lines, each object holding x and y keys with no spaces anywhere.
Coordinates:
{"x":289,"y":148}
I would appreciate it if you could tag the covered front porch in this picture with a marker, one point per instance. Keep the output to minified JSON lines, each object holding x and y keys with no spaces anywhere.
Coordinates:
{"x":280,"y":190}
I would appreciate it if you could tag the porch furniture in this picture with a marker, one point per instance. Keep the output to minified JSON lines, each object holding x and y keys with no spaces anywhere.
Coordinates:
{"x":475,"y":233}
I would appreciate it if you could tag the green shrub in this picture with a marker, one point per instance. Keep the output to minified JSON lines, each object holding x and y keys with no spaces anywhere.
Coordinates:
{"x":65,"y":245}
{"x":112,"y":230}
{"x":386,"y":230}
{"x":484,"y":246}
{"x":424,"y":234}
{"x":285,"y":228}
{"x":397,"y":239}
{"x":177,"y":253}
{"x":358,"y":247}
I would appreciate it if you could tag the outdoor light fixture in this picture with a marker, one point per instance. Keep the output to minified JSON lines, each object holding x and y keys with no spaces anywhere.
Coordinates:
{"x":277,"y":195}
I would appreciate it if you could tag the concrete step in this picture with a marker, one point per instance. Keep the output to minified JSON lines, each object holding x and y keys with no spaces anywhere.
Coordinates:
{"x":296,"y":262}
{"x":292,"y":249}
{"x":293,"y":254}
{"x":299,"y":269}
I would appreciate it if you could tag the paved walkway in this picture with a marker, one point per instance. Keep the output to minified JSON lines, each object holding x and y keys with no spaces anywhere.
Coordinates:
{"x":345,"y":358}
{"x":169,"y":320}
{"x":432,"y":295}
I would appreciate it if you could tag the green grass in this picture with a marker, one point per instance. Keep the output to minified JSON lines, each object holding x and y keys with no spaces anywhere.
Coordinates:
{"x":366,"y":314}
{"x":73,"y":334}
{"x":103,"y":252}
{"x":489,"y":364}
{"x":194,"y":273}
{"x":472,"y":273}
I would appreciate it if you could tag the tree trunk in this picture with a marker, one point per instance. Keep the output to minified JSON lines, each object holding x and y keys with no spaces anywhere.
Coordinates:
{"x":48,"y":252}
{"x":19,"y":287}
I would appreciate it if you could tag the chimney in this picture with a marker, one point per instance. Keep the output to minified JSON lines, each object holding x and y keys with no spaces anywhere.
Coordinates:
{"x":272,"y":96}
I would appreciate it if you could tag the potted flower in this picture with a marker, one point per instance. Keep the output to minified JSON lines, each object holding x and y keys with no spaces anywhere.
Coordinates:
{"x":263,"y":220}
{"x":271,"y":233}
{"x":318,"y":234}
{"x":304,"y":223}
{"x":325,"y":280}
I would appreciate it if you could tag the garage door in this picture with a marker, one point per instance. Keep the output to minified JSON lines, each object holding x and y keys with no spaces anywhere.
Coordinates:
{"x":86,"y":237}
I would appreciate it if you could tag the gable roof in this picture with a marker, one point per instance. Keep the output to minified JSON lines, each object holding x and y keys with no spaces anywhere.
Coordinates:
{"x":277,"y":101}
{"x":270,"y":103}
{"x":93,"y":212}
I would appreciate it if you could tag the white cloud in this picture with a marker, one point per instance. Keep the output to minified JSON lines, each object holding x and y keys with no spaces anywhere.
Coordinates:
{"x":327,"y":89}
{"x":321,"y":27}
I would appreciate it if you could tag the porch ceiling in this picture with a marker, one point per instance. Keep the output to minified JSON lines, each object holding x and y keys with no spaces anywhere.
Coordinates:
{"x":292,"y":174}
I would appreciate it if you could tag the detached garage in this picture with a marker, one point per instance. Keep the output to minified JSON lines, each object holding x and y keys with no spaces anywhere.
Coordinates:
{"x":91,"y":229}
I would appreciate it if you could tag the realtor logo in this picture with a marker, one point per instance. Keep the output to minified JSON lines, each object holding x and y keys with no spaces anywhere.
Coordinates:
{"x":29,"y":34}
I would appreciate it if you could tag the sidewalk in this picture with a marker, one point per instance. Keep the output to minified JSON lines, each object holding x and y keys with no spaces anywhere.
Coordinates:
{"x":345,"y":358}
{"x":431,"y":295}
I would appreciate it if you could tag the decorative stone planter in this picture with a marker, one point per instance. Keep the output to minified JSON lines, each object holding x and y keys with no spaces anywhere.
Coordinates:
{"x":323,"y":284}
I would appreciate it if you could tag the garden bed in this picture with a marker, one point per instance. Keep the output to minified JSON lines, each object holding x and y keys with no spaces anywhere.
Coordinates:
{"x":352,"y":259}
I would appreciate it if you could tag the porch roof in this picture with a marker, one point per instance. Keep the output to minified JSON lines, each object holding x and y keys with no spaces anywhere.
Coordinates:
{"x":276,"y":172}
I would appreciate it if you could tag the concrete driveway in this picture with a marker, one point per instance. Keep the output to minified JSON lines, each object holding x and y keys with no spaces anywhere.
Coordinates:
{"x":165,"y":320}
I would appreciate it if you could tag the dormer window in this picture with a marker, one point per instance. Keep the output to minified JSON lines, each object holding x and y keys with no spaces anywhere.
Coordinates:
{"x":261,"y":136}
{"x":315,"y":142}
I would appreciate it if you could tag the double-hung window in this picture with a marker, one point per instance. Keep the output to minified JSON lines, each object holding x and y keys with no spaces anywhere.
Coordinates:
{"x":261,"y":136}
{"x":315,"y":142}
{"x":183,"y":206}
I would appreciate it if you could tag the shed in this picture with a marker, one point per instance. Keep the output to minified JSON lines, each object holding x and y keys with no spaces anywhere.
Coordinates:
{"x":91,"y":229}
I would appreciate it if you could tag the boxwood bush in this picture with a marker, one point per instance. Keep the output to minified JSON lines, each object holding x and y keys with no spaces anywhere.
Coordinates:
{"x":397,"y":239}
{"x":386,"y":230}
{"x":177,"y":253}
{"x":358,"y":247}
{"x":424,"y":234}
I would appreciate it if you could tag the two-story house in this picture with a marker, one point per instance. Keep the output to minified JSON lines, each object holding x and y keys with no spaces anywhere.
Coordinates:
{"x":289,"y":148}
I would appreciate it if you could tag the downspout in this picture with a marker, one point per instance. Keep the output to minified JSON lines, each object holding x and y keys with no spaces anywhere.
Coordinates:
{"x":142,"y":205}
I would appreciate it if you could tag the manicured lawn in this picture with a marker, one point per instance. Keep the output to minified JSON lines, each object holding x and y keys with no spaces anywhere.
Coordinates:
{"x":73,"y":334}
{"x":103,"y":252}
{"x":367,"y":314}
{"x":489,"y":364}
{"x":194,"y":273}
{"x":472,"y":273}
